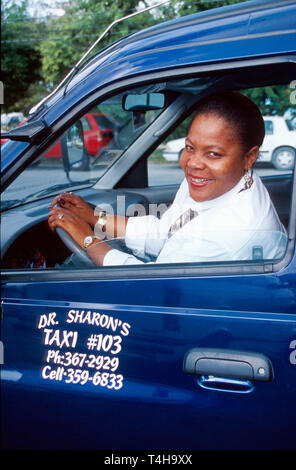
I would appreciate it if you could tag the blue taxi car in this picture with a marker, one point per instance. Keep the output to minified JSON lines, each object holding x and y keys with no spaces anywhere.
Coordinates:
{"x":150,"y":356}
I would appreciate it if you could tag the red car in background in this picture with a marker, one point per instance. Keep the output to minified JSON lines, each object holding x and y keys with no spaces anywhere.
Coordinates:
{"x":97,"y":131}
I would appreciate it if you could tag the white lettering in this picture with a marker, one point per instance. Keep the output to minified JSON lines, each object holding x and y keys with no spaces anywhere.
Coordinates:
{"x":293,"y":353}
{"x":115,"y":460}
{"x":113,"y":323}
{"x":43,"y":373}
{"x":79,"y":367}
{"x":71,"y":316}
{"x":47,"y":320}
{"x":95,"y":318}
{"x":125,"y":329}
{"x":52,"y":374}
{"x":104,"y":321}
{"x":60,"y":338}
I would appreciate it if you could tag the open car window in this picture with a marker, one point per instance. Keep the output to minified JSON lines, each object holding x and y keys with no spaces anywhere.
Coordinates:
{"x":85,"y":152}
{"x":105,"y":135}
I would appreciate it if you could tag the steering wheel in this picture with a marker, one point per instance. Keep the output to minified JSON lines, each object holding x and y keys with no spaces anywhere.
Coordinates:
{"x":79,"y":253}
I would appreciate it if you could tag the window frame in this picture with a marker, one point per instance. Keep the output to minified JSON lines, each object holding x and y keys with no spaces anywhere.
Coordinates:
{"x":155,"y":270}
{"x":270,"y":123}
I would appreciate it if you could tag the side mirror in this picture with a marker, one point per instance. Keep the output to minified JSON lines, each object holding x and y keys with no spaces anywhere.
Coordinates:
{"x":143,"y":102}
{"x":75,"y":144}
{"x":73,"y":148}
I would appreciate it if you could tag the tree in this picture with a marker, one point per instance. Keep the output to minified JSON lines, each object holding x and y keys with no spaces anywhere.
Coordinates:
{"x":72,"y":34}
{"x":271,"y":100}
{"x":21,"y":62}
{"x":38,"y":54}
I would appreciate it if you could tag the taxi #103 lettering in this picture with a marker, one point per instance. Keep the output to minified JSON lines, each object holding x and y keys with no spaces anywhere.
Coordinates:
{"x":81,"y":367}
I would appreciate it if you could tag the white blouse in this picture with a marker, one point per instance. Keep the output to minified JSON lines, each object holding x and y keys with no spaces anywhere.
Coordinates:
{"x":235,"y":226}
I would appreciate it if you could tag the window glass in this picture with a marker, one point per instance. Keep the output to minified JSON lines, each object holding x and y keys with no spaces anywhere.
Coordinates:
{"x":107,"y":131}
{"x":291,"y":124}
{"x":105,"y":122}
{"x":85,"y":124}
{"x":268,"y":127}
{"x":274,"y":166}
{"x":85,"y":153}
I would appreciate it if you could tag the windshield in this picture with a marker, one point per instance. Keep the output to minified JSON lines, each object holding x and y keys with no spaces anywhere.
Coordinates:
{"x":84,"y":153}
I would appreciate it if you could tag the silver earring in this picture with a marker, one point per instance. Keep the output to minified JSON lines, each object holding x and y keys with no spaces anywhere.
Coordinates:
{"x":248,"y":178}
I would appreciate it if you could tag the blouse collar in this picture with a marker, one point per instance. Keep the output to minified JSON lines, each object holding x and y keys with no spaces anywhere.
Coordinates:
{"x":221,"y":200}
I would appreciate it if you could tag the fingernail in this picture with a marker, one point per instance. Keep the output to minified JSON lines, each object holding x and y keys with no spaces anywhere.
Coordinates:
{"x":62,"y":201}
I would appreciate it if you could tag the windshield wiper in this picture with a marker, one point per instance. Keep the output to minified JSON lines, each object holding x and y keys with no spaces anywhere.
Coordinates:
{"x":44,"y":192}
{"x":57,"y":187}
{"x":9,"y":203}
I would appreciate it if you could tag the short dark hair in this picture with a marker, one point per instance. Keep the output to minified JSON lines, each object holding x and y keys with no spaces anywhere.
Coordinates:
{"x":239,"y":111}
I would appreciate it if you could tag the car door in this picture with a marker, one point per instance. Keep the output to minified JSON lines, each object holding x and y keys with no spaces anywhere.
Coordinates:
{"x":99,"y":363}
{"x":175,"y":356}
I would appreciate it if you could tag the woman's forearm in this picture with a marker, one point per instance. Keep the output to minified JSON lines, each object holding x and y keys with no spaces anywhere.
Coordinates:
{"x":97,"y":252}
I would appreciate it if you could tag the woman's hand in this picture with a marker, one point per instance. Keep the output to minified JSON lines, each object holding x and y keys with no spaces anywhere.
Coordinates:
{"x":78,"y":229}
{"x":75,"y":226}
{"x":77,"y":206}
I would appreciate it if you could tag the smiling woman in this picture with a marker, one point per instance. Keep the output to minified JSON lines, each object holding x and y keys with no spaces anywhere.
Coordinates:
{"x":221,"y":210}
{"x":192,"y":348}
{"x":222,"y":144}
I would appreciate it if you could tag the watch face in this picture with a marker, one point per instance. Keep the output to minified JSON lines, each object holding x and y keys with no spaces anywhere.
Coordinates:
{"x":87,"y":240}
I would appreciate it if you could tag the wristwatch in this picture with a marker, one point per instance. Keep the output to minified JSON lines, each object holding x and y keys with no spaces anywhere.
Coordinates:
{"x":88,"y":241}
{"x":101,"y":222}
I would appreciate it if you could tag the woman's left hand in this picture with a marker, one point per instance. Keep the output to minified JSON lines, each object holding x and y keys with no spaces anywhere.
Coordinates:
{"x":76,"y":227}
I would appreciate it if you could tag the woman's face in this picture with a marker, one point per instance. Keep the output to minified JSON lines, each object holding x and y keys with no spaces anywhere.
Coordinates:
{"x":213,"y":159}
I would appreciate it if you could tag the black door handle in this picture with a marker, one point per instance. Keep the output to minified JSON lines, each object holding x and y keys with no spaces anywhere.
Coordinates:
{"x":243,"y":365}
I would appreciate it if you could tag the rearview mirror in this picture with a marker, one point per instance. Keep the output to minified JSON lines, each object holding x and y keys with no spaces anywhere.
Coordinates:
{"x":143,"y":102}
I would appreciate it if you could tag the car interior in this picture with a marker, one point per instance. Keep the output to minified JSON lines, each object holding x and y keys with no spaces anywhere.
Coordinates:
{"x":123,"y":166}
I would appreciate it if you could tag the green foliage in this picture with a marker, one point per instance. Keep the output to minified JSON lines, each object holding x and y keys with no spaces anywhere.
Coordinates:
{"x":177,"y":8}
{"x":271,"y":100}
{"x":37,"y":54}
{"x":21,"y":62}
{"x":84,"y":20}
{"x":72,"y":34}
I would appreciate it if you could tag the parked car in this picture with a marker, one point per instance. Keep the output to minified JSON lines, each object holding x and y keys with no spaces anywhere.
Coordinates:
{"x":151,"y":356}
{"x":10,"y":121}
{"x":278,"y":148}
{"x":279,"y":145}
{"x":98,"y":130}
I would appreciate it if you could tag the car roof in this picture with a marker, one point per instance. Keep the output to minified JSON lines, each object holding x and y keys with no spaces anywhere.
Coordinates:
{"x":237,"y":31}
{"x":243,"y":33}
